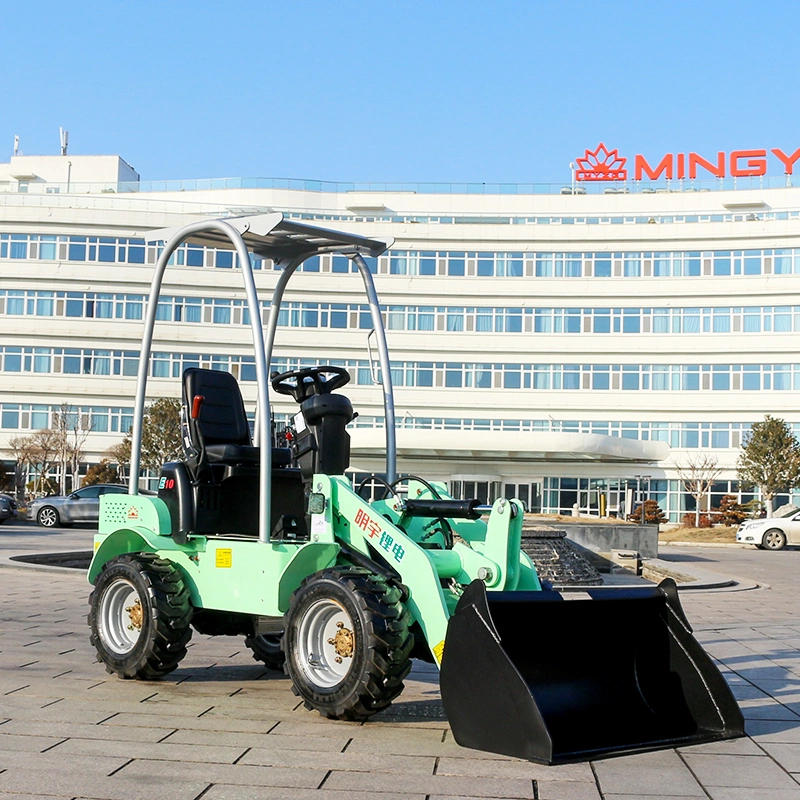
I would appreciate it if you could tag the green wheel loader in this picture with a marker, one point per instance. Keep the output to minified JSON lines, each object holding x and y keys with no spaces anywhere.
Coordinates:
{"x":272,"y":543}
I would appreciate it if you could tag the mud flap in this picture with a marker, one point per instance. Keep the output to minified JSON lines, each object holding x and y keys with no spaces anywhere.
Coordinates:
{"x":535,"y":676}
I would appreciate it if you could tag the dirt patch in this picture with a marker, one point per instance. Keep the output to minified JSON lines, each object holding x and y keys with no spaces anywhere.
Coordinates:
{"x":722,"y":534}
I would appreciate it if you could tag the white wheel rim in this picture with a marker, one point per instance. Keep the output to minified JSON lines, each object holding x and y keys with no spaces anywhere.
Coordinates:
{"x":120,"y":617}
{"x":322,"y":650}
{"x":47,"y":517}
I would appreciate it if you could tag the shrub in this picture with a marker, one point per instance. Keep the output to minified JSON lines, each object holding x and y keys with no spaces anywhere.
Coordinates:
{"x":730,"y":511}
{"x":705,"y":520}
{"x":653,"y":514}
{"x":101,"y":473}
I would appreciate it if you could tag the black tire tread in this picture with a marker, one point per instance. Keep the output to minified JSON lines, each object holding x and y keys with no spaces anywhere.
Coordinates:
{"x":390,"y":643}
{"x":171,"y":614}
{"x":271,"y":658}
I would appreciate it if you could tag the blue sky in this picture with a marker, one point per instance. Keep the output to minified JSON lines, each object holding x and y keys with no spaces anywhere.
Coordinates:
{"x":396,"y":91}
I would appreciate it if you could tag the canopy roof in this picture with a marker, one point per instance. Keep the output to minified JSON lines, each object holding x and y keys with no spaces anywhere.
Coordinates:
{"x":272,"y":236}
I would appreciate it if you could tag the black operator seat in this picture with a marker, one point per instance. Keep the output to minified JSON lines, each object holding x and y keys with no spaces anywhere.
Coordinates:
{"x":217,"y":422}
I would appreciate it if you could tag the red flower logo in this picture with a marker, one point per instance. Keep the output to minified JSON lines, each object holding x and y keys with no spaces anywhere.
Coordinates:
{"x":601,"y":164}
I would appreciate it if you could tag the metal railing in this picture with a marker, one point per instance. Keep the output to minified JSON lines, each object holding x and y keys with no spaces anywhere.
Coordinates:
{"x":466,"y":188}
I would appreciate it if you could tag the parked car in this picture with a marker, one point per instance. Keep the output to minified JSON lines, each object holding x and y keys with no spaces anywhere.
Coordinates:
{"x":774,"y":533}
{"x":8,"y":507}
{"x":82,"y":505}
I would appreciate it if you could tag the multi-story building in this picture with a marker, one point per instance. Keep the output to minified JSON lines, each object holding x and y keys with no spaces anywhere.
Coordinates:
{"x":560,"y":346}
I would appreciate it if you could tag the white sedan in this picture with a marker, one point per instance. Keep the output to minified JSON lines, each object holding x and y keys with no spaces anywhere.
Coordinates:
{"x":773,"y":533}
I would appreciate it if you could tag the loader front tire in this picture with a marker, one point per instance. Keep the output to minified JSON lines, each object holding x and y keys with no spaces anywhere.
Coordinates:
{"x":140,"y":616}
{"x":347,"y":643}
{"x":267,"y":649}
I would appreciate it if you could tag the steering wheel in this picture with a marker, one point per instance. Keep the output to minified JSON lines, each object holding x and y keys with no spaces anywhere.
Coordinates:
{"x":303,"y":383}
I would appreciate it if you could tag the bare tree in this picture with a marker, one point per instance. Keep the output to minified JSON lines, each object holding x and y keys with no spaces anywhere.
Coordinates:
{"x":120,"y":454}
{"x":71,"y":431}
{"x":18,"y":448}
{"x":40,"y":453}
{"x":698,"y":475}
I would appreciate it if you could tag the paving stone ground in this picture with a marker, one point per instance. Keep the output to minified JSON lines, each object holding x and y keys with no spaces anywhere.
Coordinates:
{"x":222,"y":727}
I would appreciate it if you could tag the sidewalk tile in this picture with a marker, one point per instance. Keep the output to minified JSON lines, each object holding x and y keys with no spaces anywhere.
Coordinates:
{"x":228,"y":792}
{"x":787,"y":755}
{"x":164,"y":751}
{"x":487,"y":768}
{"x":647,"y":774}
{"x":268,"y":741}
{"x":771,"y":731}
{"x":754,"y":772}
{"x":349,"y":762}
{"x":729,"y":793}
{"x":150,"y":771}
{"x":433,"y":785}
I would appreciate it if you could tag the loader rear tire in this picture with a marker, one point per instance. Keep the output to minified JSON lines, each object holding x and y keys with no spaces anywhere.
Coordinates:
{"x":347,"y":643}
{"x":267,"y":649}
{"x":140,"y":616}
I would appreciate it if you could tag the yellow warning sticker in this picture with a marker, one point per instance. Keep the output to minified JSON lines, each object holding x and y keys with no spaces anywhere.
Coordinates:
{"x":224,"y":558}
{"x":438,"y":651}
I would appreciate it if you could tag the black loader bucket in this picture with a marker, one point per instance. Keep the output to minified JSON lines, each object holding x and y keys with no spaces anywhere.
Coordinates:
{"x":532,"y":675}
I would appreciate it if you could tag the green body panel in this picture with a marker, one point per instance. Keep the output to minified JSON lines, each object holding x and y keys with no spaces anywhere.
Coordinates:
{"x":246,"y":576}
{"x":137,"y":511}
{"x":127,"y":540}
{"x":230,"y":573}
{"x":528,"y":577}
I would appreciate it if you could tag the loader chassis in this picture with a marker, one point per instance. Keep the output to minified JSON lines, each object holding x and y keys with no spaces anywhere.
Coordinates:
{"x":273,"y":543}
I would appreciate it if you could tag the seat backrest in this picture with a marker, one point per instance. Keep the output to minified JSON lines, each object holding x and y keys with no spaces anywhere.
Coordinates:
{"x":220,"y":415}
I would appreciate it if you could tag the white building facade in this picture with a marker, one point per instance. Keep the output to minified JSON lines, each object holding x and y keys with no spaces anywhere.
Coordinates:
{"x":566,"y":348}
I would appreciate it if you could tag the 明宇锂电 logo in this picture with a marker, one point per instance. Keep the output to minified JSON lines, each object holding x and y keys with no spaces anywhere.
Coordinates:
{"x":602,"y":164}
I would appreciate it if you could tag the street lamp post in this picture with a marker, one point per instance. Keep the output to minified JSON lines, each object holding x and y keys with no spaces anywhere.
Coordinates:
{"x":644,"y":495}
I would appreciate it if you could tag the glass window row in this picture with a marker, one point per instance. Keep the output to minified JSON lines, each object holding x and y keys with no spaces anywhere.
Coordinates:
{"x":640,"y":264}
{"x":496,"y":219}
{"x":111,"y":250}
{"x":685,"y":435}
{"x":647,"y":377}
{"x":93,"y":249}
{"x":102,"y":419}
{"x":218,"y":311}
{"x":607,"y":495}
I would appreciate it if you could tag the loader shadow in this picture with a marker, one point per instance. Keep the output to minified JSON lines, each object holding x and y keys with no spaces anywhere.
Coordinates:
{"x":213,"y":673}
{"x":413,"y":711}
{"x":216,"y":672}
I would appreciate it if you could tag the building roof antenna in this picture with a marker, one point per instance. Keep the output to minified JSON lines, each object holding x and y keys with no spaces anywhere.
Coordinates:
{"x":64,"y":140}
{"x":16,"y":145}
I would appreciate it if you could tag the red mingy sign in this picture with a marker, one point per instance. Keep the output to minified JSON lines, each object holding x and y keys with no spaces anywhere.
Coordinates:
{"x":602,"y":164}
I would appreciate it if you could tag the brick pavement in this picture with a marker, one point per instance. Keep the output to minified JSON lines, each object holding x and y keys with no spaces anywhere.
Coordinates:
{"x":222,"y":726}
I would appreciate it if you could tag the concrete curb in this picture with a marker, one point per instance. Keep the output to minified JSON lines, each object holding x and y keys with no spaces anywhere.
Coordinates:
{"x":703,"y":579}
{"x":703,"y":544}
